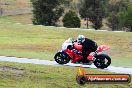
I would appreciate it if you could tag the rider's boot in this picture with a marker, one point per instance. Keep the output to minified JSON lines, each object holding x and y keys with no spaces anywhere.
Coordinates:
{"x":90,"y":58}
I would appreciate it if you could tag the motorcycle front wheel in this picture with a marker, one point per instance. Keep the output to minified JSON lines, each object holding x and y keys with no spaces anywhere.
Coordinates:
{"x":102,"y":61}
{"x":61,"y":58}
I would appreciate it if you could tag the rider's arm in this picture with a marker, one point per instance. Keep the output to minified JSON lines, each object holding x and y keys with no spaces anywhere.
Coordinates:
{"x":70,"y":47}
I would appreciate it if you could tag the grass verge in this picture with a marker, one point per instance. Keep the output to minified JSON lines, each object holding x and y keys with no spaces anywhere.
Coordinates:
{"x":14,"y":75}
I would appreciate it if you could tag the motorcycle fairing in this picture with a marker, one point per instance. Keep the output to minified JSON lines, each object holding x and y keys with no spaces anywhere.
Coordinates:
{"x":103,"y":48}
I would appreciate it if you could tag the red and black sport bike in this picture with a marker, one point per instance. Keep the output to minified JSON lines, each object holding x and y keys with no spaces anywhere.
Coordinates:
{"x":99,"y":58}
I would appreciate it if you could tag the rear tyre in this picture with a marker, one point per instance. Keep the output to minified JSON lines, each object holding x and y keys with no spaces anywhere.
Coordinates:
{"x":102,"y":61}
{"x":62,"y":58}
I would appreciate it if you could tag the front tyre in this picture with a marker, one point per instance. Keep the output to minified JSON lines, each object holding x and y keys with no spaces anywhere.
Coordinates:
{"x":61,"y":58}
{"x":102,"y":61}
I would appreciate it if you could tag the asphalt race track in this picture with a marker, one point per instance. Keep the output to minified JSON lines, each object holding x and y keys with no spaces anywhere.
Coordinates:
{"x":53,"y":63}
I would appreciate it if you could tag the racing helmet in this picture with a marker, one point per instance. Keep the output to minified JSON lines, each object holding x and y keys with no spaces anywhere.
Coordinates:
{"x":80,"y":39}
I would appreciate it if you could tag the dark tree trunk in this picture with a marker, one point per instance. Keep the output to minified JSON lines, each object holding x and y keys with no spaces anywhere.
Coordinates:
{"x":131,"y":29}
{"x":1,"y":11}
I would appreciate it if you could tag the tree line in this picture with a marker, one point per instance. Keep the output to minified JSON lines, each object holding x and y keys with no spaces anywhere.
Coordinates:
{"x":118,"y":13}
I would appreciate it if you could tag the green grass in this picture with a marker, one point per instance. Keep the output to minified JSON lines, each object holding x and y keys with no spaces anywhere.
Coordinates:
{"x":8,"y":1}
{"x":24,"y":18}
{"x":28,"y":54}
{"x":16,"y":75}
{"x":23,"y":40}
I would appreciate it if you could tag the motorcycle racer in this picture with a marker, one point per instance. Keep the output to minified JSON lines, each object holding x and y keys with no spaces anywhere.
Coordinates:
{"x":88,"y":47}
{"x":81,"y":51}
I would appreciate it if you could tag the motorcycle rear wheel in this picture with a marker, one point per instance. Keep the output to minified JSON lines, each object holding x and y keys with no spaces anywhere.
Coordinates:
{"x":102,"y":61}
{"x":61,"y":58}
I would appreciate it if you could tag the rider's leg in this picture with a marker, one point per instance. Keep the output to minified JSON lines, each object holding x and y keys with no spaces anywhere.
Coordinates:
{"x":91,"y":56}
